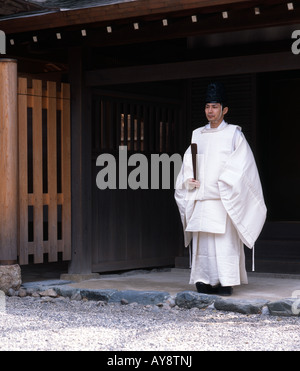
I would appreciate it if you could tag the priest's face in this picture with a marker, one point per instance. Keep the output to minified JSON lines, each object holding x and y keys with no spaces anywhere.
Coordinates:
{"x":215,"y":113}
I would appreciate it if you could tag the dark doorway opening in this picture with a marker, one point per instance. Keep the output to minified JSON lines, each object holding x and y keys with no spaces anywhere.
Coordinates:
{"x":278,"y":132}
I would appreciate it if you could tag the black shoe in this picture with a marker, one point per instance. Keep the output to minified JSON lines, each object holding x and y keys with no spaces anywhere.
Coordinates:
{"x":203,"y":288}
{"x":225,"y":290}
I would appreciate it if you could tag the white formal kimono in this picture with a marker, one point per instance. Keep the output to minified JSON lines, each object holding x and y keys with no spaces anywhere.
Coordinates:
{"x":228,"y":209}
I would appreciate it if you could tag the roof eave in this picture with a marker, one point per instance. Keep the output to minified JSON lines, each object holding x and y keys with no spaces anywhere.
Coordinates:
{"x":108,"y":13}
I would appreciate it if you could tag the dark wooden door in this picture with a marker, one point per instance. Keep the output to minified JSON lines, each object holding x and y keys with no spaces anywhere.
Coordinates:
{"x":134,"y":228}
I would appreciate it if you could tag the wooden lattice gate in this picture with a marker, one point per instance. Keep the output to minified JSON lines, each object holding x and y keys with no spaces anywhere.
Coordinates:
{"x":44,"y":171}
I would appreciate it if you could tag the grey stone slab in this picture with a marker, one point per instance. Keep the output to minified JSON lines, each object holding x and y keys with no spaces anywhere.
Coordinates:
{"x":285,"y":307}
{"x":140,"y":297}
{"x":40,"y":285}
{"x":98,"y":295}
{"x":240,"y":306}
{"x":191,"y":299}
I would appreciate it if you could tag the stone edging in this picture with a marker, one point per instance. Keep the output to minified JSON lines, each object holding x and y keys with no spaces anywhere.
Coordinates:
{"x":185,"y":299}
{"x":284,"y":307}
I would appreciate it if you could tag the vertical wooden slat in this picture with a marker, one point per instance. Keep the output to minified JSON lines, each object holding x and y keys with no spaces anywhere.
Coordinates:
{"x":163,"y":129}
{"x":179,"y":130}
{"x":125,"y":124}
{"x":97,"y":120}
{"x":118,"y":123}
{"x":103,"y":125}
{"x":66,"y":171}
{"x":138,"y":129}
{"x":111,"y":121}
{"x":37,"y":171}
{"x":23,"y":168}
{"x":132,"y":131}
{"x":146,"y":139}
{"x":169,"y":131}
{"x":151,"y":129}
{"x":158,"y":129}
{"x":52,"y":170}
{"x":113,"y":113}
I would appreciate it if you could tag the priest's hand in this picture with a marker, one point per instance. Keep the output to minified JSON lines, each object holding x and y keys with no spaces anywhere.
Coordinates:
{"x":193,"y":183}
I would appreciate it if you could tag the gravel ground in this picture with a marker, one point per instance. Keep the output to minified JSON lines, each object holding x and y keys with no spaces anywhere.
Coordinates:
{"x":67,"y":325}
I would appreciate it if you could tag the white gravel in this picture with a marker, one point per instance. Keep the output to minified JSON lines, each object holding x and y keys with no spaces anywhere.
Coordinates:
{"x":32,"y":324}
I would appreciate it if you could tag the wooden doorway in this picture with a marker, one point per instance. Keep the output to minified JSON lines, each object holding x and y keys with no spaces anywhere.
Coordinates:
{"x":134,"y":228}
{"x":278,"y":249}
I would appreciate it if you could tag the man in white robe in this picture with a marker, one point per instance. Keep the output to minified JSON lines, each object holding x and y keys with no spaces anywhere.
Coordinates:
{"x":223,"y":208}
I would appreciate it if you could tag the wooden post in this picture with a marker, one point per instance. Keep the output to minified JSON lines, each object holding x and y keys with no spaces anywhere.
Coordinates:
{"x":81,"y":167}
{"x":8,"y":162}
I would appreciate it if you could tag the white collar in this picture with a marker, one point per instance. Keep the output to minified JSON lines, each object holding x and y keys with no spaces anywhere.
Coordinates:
{"x":222,"y":126}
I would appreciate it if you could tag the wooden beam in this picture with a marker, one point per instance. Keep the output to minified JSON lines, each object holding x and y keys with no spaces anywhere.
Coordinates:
{"x":194,"y":69}
{"x":131,"y":9}
{"x":8,"y":162}
{"x":80,"y":167}
{"x":240,"y":19}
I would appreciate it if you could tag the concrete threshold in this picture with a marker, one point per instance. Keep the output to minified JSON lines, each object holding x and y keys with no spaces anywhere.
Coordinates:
{"x":260,"y":286}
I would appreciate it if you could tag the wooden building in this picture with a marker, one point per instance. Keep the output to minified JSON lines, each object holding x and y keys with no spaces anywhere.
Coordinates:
{"x":94,"y":75}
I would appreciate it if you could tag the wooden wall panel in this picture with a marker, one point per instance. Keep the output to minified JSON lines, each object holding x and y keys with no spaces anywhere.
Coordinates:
{"x":42,"y":228}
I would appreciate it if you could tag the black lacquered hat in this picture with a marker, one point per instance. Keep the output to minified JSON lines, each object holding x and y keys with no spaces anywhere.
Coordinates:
{"x":216,"y":93}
